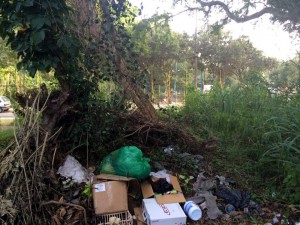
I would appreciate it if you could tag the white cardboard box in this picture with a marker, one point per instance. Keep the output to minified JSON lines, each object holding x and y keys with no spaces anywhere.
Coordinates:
{"x":163,"y":214}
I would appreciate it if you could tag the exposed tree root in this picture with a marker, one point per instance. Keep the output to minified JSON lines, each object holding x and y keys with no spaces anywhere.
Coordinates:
{"x":153,"y":134}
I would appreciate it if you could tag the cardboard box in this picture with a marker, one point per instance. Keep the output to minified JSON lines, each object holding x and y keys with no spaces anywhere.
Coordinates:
{"x":110,"y":194}
{"x":163,"y":214}
{"x":164,"y":199}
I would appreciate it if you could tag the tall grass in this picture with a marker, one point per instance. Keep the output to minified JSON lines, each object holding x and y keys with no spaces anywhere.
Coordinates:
{"x":257,"y":130}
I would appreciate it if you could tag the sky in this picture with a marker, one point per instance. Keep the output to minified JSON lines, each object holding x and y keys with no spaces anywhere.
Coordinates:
{"x":270,"y":38}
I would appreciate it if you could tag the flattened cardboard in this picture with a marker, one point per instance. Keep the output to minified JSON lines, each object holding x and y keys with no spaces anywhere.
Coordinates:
{"x":110,"y":197}
{"x":164,"y":199}
{"x":103,"y":176}
{"x":139,"y":216}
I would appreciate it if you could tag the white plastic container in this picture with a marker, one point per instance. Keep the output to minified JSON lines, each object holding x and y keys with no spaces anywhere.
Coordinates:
{"x":192,"y":210}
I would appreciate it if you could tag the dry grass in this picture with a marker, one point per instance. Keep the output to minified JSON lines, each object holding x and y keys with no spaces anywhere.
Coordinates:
{"x":22,"y":166}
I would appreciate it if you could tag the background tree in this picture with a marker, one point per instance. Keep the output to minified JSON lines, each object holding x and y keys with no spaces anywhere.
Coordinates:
{"x":285,"y":12}
{"x":158,"y":47}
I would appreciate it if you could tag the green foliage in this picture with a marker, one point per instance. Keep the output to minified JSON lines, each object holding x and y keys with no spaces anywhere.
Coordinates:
{"x":257,"y":132}
{"x":285,"y":77}
{"x":6,"y":136}
{"x":97,"y":127}
{"x":283,"y":141}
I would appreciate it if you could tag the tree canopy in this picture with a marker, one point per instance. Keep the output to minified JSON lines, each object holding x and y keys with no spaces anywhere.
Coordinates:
{"x":285,"y":12}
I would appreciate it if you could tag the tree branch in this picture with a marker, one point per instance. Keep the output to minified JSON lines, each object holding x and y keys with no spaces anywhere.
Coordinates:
{"x":240,"y":19}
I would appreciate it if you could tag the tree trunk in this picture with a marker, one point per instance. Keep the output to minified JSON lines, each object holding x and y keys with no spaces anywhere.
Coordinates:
{"x":221,"y":78}
{"x":168,"y":84}
{"x":152,"y":88}
{"x":125,"y":77}
{"x":185,"y":84}
{"x":133,"y":91}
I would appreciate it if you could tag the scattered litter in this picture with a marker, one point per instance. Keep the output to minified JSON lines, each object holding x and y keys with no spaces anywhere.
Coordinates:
{"x":193,"y":159}
{"x":224,"y":180}
{"x":160,"y":185}
{"x":127,"y":161}
{"x":213,"y":211}
{"x":161,"y":174}
{"x":73,"y":169}
{"x":275,"y":219}
{"x":229,"y":208}
{"x":174,"y":196}
{"x":203,"y":183}
{"x":197,"y":199}
{"x":238,"y":199}
{"x":192,"y":210}
{"x":169,"y":149}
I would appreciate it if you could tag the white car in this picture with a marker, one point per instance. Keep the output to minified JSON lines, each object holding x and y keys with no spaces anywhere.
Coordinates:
{"x":4,"y":104}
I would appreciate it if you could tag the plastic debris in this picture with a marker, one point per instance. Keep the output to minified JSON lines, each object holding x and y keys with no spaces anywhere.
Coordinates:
{"x":161,"y":174}
{"x":224,"y":180}
{"x":213,"y":211}
{"x":73,"y":169}
{"x":238,"y":199}
{"x":229,"y":208}
{"x":192,"y":210}
{"x":203,"y":184}
{"x":196,"y":199}
{"x":126,"y":161}
{"x":169,"y":150}
{"x":160,"y":185}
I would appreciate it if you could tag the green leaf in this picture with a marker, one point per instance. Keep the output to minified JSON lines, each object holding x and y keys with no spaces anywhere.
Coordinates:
{"x":32,"y":71}
{"x":37,"y":23}
{"x":181,"y":176}
{"x":38,"y":37}
{"x":28,"y":3}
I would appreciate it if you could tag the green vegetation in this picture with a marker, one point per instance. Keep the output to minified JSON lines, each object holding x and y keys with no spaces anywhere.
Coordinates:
{"x":90,"y":64}
{"x":257,"y":134}
{"x":6,"y":136}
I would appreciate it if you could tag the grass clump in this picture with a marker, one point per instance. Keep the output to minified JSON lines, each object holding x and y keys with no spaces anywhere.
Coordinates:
{"x":6,"y":136}
{"x":258,"y":134}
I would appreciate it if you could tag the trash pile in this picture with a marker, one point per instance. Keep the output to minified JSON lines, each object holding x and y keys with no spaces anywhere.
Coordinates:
{"x":126,"y":191}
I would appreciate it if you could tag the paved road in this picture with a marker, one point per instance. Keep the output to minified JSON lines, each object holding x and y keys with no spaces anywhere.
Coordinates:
{"x":7,"y":118}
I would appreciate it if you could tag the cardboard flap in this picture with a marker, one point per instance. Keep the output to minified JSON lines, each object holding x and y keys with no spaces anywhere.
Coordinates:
{"x":168,"y":199}
{"x":147,"y":189}
{"x":164,"y":199}
{"x":103,"y":176}
{"x":139,"y":216}
{"x":175,"y":183}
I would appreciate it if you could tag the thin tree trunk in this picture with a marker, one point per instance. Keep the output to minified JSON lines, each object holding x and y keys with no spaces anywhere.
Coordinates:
{"x":152,"y":88}
{"x":185,"y":84}
{"x":168,"y":82}
{"x":221,"y":78}
{"x":124,"y":77}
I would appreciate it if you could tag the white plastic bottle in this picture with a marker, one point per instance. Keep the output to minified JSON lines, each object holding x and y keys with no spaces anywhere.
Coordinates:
{"x":192,"y":210}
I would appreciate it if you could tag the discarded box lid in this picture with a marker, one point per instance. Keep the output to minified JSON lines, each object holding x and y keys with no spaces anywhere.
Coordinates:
{"x":164,"y":199}
{"x":103,"y":176}
{"x":163,"y":214}
{"x":110,"y":193}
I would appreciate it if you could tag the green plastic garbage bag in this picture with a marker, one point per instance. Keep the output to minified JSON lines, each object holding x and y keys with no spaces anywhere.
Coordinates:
{"x":126,"y":161}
